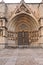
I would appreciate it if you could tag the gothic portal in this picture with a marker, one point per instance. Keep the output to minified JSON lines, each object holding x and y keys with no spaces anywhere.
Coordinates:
{"x":21,"y":24}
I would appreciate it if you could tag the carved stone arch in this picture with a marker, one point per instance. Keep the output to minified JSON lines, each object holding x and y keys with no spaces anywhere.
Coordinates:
{"x":26,"y":11}
{"x":30,"y":19}
{"x":25,"y":22}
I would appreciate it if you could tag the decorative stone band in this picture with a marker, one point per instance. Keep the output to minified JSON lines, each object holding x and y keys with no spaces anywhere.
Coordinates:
{"x":33,"y":36}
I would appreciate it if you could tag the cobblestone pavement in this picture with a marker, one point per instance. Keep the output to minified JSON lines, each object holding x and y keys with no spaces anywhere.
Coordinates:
{"x":21,"y":56}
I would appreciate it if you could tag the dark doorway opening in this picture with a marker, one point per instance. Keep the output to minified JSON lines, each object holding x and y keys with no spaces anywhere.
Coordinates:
{"x":23,"y":38}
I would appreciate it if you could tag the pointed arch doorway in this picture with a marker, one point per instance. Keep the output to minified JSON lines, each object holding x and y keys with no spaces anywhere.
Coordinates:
{"x":23,"y":34}
{"x":23,"y":24}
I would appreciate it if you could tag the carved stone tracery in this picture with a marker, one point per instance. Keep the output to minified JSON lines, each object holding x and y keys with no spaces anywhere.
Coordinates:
{"x":23,"y":8}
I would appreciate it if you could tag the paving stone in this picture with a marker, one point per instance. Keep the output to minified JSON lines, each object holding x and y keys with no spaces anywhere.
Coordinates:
{"x":21,"y":57}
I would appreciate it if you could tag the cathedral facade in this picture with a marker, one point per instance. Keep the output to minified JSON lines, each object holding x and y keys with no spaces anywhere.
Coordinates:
{"x":21,"y":24}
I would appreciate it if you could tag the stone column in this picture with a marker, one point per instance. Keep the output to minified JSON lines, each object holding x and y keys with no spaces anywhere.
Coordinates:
{"x":3,"y":38}
{"x":41,"y":32}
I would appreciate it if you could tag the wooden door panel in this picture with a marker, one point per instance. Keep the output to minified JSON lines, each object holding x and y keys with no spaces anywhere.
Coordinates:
{"x":23,"y":38}
{"x":26,"y":39}
{"x":20,"y":39}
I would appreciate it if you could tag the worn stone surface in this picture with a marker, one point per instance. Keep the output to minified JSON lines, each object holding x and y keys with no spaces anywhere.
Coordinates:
{"x":21,"y":57}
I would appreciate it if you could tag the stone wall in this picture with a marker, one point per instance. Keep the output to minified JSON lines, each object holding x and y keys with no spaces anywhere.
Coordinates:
{"x":6,"y":12}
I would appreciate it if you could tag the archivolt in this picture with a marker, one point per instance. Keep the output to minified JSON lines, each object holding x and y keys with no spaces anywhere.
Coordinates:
{"x":23,"y":17}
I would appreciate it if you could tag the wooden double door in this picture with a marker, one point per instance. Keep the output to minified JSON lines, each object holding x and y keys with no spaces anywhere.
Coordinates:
{"x":23,"y":38}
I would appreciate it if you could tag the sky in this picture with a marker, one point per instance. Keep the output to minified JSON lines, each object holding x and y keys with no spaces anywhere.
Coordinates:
{"x":18,"y":1}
